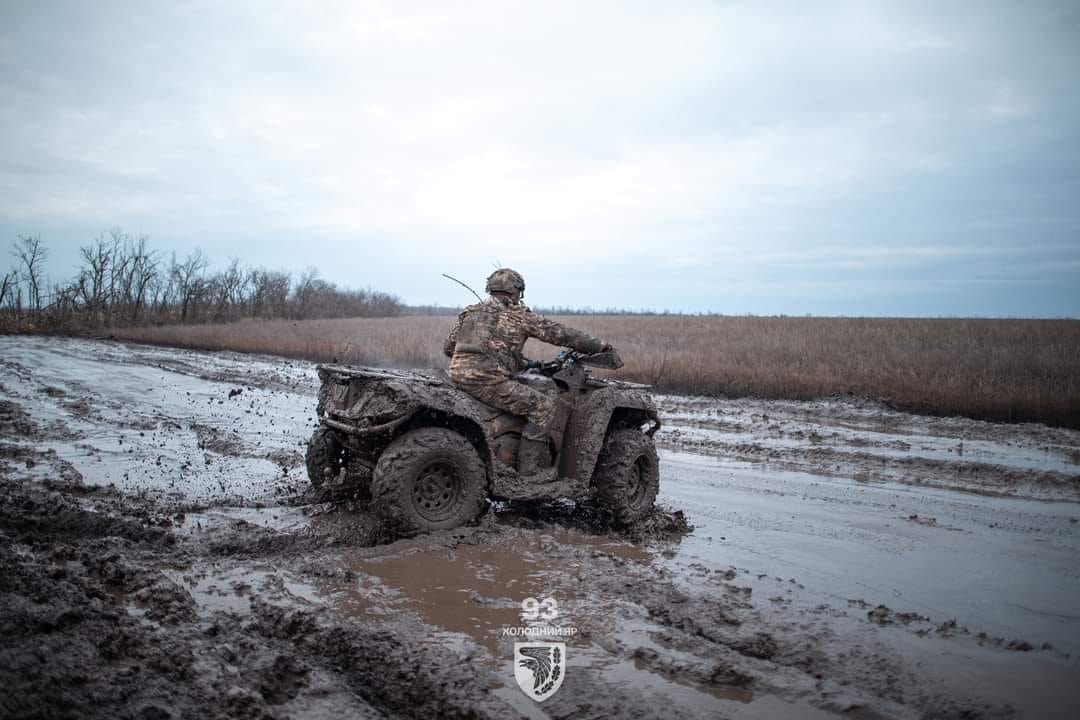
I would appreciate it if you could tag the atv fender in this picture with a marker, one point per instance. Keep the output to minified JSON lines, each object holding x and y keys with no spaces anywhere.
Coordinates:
{"x":590,"y":423}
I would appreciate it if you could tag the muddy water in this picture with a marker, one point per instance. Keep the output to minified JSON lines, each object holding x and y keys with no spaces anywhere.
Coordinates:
{"x":476,"y":590}
{"x":819,"y":546}
{"x":229,"y":590}
{"x":838,"y":562}
{"x":866,"y":441}
{"x":465,"y":596}
{"x":1005,"y":565}
{"x":889,"y":445}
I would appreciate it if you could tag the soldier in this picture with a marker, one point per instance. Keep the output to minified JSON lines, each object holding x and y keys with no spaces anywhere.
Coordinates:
{"x":485,"y":350}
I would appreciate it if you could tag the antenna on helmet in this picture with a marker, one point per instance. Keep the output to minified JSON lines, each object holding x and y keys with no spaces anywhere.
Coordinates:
{"x":448,"y":277}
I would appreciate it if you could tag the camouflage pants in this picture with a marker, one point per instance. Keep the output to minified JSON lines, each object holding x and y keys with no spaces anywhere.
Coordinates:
{"x":515,"y":397}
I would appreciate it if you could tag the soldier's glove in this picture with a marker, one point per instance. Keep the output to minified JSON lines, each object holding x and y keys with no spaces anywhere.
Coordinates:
{"x":606,"y":347}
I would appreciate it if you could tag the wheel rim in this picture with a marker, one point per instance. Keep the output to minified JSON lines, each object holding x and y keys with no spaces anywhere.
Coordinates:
{"x":637,"y":482}
{"x":437,"y":490}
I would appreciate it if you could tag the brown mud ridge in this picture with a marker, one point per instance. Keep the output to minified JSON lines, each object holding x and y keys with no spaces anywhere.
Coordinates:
{"x":161,"y":555}
{"x":116,"y":606}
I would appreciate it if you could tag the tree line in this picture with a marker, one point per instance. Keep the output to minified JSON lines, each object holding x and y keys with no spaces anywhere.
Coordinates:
{"x":122,"y":281}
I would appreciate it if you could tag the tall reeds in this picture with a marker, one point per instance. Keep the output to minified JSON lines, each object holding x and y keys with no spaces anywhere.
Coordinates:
{"x":1010,"y":370}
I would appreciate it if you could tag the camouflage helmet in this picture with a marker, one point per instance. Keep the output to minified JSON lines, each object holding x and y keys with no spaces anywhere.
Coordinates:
{"x":507,"y":281}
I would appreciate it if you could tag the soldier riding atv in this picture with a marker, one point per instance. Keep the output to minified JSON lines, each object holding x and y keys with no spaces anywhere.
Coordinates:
{"x":432,"y":456}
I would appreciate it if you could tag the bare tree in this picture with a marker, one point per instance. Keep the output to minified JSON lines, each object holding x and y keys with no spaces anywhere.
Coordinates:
{"x":62,"y":308}
{"x":140,"y":271}
{"x":228,"y":291}
{"x":190,"y":282}
{"x":31,"y":253}
{"x":121,"y":280}
{"x":269,"y":293}
{"x":8,"y":284}
{"x":92,"y":283}
{"x":303,"y":297}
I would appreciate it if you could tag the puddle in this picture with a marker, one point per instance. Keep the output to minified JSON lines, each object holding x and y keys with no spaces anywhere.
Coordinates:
{"x":283,"y":518}
{"x":860,"y":542}
{"x":797,"y":428}
{"x":474,"y":591}
{"x":230,"y":590}
{"x":871,"y":445}
{"x":477,"y":590}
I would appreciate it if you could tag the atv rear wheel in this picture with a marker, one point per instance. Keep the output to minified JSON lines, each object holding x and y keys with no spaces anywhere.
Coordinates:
{"x":429,"y":479}
{"x":627,"y":476}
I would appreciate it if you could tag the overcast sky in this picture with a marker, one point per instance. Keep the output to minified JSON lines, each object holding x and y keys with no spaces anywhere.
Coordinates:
{"x":893,"y":158}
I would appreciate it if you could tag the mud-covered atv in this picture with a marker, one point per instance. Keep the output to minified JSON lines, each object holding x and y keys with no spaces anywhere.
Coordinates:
{"x":431,"y":456}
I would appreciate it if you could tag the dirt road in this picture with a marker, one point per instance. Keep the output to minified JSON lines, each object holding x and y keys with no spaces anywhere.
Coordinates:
{"x":160,"y":557}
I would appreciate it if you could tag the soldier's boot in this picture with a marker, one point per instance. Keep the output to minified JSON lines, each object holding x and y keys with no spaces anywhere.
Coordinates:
{"x":547,"y":439}
{"x":534,"y":455}
{"x":556,"y":428}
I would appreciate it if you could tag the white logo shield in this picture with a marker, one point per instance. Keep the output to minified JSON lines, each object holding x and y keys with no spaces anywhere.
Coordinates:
{"x":539,"y":668}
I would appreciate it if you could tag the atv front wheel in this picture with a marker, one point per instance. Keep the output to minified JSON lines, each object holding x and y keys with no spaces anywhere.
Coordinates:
{"x":627,"y":476}
{"x":429,"y":479}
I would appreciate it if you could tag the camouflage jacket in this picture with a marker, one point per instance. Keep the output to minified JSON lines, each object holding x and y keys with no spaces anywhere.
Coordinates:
{"x":485,"y":344}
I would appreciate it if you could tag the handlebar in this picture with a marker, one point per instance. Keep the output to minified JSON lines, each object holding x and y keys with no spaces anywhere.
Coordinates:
{"x":608,"y":359}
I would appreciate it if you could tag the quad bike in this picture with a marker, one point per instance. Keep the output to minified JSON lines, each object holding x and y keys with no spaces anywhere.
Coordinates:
{"x":430,"y":456}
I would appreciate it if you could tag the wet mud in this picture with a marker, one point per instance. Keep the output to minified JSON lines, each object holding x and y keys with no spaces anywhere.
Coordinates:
{"x":868,"y":442}
{"x":161,"y":555}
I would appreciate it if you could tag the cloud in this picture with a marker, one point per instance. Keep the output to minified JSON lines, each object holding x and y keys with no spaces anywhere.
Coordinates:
{"x":411,"y":138}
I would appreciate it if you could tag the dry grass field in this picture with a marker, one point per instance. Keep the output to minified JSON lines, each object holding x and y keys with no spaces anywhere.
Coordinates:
{"x":1011,"y":370}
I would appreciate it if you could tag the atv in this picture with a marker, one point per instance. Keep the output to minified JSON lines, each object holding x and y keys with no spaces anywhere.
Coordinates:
{"x":428,"y":456}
